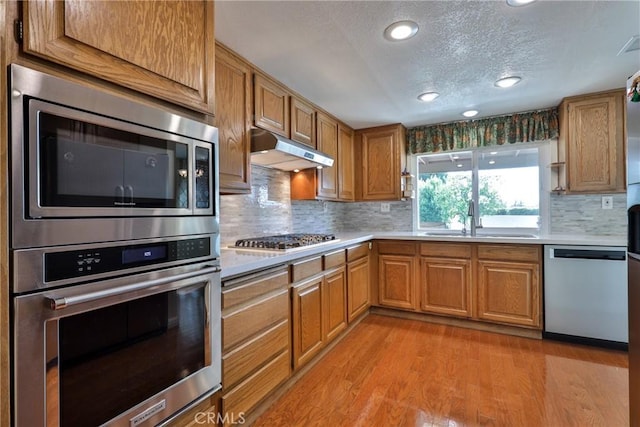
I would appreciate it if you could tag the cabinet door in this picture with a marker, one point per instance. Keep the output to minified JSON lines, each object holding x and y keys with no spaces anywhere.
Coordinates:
{"x":233,"y":118}
{"x":328,"y":144}
{"x":595,"y":150}
{"x":358,"y":295}
{"x":446,"y":286}
{"x":303,"y":122}
{"x":307,"y":321}
{"x":271,"y":106}
{"x":335,"y":299}
{"x":509,"y":292}
{"x":160,"y":48}
{"x":396,"y":281}
{"x":381,"y":163}
{"x":346,"y":184}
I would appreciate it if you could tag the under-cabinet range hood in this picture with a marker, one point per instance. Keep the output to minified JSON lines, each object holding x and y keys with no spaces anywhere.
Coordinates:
{"x":278,"y":152}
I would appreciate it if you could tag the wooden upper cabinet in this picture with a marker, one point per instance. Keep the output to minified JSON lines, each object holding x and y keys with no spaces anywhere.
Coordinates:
{"x":161,"y":48}
{"x":233,"y":118}
{"x":381,"y":151}
{"x":328,"y":144}
{"x":303,"y":122}
{"x":592,"y":136}
{"x":271,"y":105}
{"x":346,"y":180}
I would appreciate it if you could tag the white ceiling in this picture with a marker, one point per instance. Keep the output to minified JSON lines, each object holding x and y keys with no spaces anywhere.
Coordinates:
{"x":333,"y":53}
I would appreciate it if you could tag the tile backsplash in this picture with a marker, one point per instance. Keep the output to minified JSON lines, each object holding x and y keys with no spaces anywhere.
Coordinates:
{"x":269,"y":210}
{"x":583,"y":214}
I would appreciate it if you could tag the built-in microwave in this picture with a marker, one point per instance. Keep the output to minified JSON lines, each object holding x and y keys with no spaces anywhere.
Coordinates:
{"x":89,"y":166}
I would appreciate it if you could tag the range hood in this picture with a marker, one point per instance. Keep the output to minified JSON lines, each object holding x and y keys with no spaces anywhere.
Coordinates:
{"x":278,"y":152}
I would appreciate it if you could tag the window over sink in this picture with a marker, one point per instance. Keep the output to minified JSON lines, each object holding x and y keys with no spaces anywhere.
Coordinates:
{"x":504,"y":184}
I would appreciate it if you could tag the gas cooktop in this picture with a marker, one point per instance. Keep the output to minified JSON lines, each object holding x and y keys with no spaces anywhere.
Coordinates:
{"x":284,"y":242}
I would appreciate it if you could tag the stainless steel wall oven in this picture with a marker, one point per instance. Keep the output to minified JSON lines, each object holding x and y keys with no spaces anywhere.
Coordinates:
{"x":115,"y":257}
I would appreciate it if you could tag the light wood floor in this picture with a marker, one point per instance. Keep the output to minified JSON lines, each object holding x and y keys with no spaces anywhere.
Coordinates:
{"x":397,"y":372}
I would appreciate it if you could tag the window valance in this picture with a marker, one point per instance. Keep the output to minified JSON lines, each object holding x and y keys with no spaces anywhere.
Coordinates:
{"x":511,"y":129}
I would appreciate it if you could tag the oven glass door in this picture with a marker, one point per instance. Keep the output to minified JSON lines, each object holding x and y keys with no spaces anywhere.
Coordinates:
{"x":126,"y":353}
{"x":97,"y":361}
{"x":112,"y":167}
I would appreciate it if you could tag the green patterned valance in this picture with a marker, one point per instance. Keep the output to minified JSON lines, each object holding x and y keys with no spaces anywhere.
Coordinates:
{"x":511,"y":129}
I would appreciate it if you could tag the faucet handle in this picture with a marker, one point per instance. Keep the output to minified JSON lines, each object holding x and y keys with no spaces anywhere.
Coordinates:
{"x":472,"y":210}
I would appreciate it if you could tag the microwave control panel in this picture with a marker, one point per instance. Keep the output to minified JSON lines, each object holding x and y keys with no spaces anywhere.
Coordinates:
{"x":79,"y":263}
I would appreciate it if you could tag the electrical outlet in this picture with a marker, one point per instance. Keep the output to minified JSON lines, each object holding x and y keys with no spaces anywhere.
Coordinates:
{"x":607,"y":202}
{"x":385,"y":207}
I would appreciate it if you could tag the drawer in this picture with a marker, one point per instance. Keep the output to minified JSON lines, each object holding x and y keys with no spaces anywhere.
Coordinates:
{"x":247,"y":394}
{"x":358,"y":251}
{"x":242,"y":324}
{"x":306,"y":268}
{"x":446,"y":250}
{"x":246,"y":288}
{"x":334,"y":259}
{"x":510,"y":252}
{"x":396,"y":248}
{"x":242,"y":361}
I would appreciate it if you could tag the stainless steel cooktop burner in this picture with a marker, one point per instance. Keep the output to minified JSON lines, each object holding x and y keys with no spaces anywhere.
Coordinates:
{"x":284,"y":241}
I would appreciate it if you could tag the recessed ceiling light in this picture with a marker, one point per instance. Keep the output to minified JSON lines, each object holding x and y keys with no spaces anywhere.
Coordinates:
{"x":318,"y":167}
{"x":470,"y":113}
{"x":492,"y":162}
{"x":459,"y":165}
{"x":428,"y":96}
{"x":518,"y":3}
{"x":400,"y":30}
{"x":296,"y":170}
{"x":493,"y":153}
{"x":507,"y":81}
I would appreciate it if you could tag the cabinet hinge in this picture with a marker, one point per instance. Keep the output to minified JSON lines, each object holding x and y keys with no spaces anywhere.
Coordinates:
{"x":18,"y":30}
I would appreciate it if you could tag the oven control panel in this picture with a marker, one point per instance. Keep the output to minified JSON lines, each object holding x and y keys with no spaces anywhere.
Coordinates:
{"x":79,"y":263}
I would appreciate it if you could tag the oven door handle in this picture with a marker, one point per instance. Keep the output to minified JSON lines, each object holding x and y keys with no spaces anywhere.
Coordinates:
{"x":58,"y":303}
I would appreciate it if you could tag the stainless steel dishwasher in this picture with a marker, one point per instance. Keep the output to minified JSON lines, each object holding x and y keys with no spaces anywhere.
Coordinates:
{"x":585,"y":294}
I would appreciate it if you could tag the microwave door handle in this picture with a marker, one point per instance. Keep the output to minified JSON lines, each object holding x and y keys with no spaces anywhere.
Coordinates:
{"x":57,"y":303}
{"x":128,"y":193}
{"x":119,"y":193}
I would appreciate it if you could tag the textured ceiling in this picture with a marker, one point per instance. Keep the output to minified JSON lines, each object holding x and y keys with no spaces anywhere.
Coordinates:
{"x":334,"y":54}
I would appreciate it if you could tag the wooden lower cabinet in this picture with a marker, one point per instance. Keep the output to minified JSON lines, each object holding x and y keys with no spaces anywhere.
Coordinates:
{"x":319,"y":312}
{"x":445,"y":286}
{"x":307,"y":320}
{"x":335,"y":303}
{"x":509,"y":292}
{"x":396,"y":281}
{"x":358,"y":292}
{"x":256,"y":347}
{"x":240,"y":400}
{"x":206,"y":413}
{"x":496,"y":283}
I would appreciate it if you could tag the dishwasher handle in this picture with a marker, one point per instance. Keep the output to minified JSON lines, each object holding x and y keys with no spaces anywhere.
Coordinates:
{"x":609,"y":255}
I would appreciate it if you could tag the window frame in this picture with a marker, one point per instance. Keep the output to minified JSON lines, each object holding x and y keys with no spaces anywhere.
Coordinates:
{"x":544,"y":177}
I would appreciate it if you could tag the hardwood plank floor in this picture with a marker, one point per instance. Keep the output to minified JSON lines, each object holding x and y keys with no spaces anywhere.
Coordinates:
{"x":398,"y":372}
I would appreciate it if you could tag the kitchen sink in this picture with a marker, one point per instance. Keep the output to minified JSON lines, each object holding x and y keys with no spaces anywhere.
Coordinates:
{"x":507,"y":236}
{"x":489,"y":235}
{"x":445,"y":233}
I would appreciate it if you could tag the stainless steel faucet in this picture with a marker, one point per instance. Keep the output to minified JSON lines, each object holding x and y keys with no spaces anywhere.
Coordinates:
{"x":475,"y":224}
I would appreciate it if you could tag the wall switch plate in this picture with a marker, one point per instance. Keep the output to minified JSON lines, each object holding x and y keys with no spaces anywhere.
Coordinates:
{"x":385,"y":207}
{"x":607,"y":202}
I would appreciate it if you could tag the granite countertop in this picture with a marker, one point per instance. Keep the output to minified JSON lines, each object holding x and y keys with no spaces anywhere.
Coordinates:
{"x":237,"y":262}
